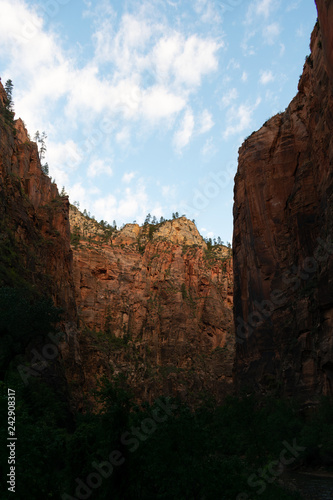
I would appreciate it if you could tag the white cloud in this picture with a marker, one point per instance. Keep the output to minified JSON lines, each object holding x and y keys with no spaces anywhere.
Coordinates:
{"x":209,"y":149}
{"x":154,"y":67}
{"x":263,"y":7}
{"x":184,"y":61}
{"x":81,"y":193}
{"x":233,"y":64}
{"x":300,"y":32}
{"x":206,"y":233}
{"x":123,"y":136}
{"x":257,"y":19}
{"x":151,"y":69}
{"x":127,"y":177}
{"x":207,"y":11}
{"x":271,"y":32}
{"x":229,"y":97}
{"x":63,"y":159}
{"x":206,"y":122}
{"x":183,"y":136}
{"x":99,"y":167}
{"x":293,"y":5}
{"x":37,"y":55}
{"x":164,"y":54}
{"x":66,"y":155}
{"x":245,"y":44}
{"x":158,"y":102}
{"x":133,"y":204}
{"x":169,"y":192}
{"x":197,"y":59}
{"x":106,"y":208}
{"x":258,"y":9}
{"x":239,"y":118}
{"x":78,"y":191}
{"x":266,"y":77}
{"x":244,"y":76}
{"x":123,"y":48}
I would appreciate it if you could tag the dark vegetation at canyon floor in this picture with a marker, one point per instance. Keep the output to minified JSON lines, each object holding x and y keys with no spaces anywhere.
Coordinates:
{"x":148,"y":363}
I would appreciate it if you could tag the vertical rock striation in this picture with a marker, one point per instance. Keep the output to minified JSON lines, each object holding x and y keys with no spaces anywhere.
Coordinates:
{"x":283,"y":230}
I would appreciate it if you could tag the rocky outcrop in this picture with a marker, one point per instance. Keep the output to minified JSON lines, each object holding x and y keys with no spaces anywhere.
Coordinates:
{"x":154,"y":308}
{"x":179,"y":231}
{"x":283,"y":228}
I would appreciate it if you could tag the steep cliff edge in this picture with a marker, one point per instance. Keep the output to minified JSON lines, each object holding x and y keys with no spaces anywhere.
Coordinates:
{"x":155,"y":304}
{"x":35,"y":234}
{"x":283,"y":228}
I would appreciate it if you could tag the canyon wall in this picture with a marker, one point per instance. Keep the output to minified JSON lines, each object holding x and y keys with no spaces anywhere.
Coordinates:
{"x":35,"y":239}
{"x":283,"y":229}
{"x":154,"y":304}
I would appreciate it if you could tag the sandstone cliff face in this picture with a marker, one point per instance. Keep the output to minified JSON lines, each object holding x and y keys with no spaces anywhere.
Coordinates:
{"x":35,"y":231}
{"x":38,"y":217}
{"x":283,"y":230}
{"x":155,"y":309}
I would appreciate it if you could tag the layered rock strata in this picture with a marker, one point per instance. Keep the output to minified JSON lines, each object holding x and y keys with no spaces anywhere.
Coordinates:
{"x":154,"y":308}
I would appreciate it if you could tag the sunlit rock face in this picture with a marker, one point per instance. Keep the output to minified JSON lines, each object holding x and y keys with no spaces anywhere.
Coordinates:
{"x":156,"y":305}
{"x":283,"y":234}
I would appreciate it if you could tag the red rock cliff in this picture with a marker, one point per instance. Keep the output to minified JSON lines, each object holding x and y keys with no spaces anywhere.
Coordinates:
{"x":283,"y":229}
{"x":35,"y":231}
{"x":154,"y":304}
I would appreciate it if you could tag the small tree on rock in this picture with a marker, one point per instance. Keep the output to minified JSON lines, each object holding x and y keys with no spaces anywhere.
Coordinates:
{"x":63,"y":193}
{"x":9,"y":91}
{"x":9,"y":105}
{"x":40,"y":139}
{"x":147,"y":219}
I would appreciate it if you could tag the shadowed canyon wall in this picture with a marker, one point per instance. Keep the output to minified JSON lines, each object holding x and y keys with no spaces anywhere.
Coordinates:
{"x":35,"y":241}
{"x":283,"y":237}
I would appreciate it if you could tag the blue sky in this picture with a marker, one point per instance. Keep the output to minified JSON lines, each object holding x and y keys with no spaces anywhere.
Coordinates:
{"x":145,"y":103}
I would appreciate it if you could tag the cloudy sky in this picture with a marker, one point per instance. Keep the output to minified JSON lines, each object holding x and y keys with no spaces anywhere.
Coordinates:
{"x":145,"y":103}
